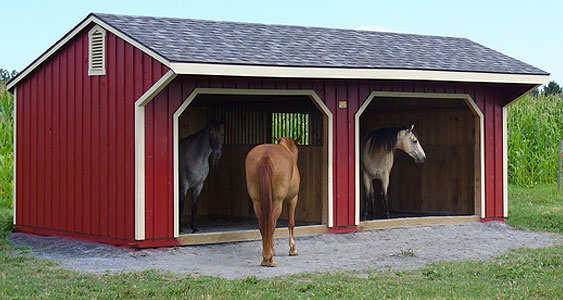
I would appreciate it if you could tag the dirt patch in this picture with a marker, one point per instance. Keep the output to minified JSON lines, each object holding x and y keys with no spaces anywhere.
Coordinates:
{"x":389,"y":249}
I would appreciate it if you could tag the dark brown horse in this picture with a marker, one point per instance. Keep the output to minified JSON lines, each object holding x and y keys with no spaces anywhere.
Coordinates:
{"x":272,"y":178}
{"x":378,"y":154}
{"x":194,"y":163}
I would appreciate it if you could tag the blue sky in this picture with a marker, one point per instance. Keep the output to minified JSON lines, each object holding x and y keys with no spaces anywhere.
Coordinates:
{"x":531,"y":31}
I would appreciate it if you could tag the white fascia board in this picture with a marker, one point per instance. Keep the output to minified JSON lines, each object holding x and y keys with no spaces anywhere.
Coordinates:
{"x":75,"y":31}
{"x":350,"y":73}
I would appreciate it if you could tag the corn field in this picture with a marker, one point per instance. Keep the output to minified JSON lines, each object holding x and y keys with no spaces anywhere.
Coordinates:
{"x":6,"y":150}
{"x":535,"y":127}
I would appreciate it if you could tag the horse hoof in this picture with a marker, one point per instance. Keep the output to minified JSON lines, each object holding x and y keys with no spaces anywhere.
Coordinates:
{"x":293,"y":253}
{"x":265,"y":263}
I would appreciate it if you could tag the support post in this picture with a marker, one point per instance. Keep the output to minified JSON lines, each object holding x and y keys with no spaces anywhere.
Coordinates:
{"x":560,"y":163}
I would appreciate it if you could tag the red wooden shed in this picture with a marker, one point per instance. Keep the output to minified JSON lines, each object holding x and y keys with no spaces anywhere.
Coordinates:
{"x":100,"y":113}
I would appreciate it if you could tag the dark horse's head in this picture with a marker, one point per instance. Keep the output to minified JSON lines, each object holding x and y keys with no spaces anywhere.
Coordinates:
{"x":216,"y":138}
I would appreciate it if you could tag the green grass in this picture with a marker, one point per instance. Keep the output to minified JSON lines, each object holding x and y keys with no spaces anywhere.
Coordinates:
{"x":539,"y":208}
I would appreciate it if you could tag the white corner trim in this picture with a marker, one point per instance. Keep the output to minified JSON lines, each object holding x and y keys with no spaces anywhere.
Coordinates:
{"x":504,"y":163}
{"x":140,"y":151}
{"x":219,"y":91}
{"x":505,"y":151}
{"x":472,"y":105}
{"x":14,"y":185}
{"x":70,"y":35}
{"x":351,"y":73}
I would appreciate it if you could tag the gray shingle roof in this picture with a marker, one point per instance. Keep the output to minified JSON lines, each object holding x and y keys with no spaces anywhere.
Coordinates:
{"x":199,"y":41}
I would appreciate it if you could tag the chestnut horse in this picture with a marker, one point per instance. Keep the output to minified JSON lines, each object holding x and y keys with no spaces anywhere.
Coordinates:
{"x":272,"y":178}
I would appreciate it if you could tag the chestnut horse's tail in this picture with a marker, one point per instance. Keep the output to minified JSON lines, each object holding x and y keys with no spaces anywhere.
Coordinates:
{"x":265,"y":172}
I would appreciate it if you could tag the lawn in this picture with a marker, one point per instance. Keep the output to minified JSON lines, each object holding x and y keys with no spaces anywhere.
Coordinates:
{"x":537,"y":209}
{"x":525,"y":273}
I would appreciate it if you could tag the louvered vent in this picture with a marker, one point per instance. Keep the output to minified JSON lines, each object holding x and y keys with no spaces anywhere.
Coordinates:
{"x":97,"y":50}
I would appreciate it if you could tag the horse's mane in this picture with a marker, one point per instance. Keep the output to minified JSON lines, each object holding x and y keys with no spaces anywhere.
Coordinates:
{"x":383,"y":138}
{"x":211,"y":125}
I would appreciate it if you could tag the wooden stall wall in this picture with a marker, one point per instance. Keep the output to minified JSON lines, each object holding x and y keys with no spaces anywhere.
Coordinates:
{"x":489,"y":98}
{"x":75,"y":141}
{"x":445,"y":183}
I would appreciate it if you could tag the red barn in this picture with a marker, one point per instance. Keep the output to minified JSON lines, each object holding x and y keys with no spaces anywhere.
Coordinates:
{"x":100,"y":113}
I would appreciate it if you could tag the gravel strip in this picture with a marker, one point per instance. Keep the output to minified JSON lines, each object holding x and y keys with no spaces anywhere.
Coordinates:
{"x":388,"y":249}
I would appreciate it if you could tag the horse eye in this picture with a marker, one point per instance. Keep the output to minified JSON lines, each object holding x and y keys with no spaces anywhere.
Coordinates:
{"x":415,"y":141}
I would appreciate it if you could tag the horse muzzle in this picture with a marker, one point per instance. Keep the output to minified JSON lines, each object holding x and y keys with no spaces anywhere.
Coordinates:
{"x":420,"y":160}
{"x":216,"y":154}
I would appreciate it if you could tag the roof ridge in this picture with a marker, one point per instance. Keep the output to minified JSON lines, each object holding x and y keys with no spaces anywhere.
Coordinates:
{"x":283,"y":25}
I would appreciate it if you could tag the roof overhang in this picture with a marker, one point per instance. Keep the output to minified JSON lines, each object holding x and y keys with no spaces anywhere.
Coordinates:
{"x":285,"y":71}
{"x":352,"y":73}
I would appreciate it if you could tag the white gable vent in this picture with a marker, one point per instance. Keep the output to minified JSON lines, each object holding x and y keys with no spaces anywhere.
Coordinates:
{"x":97,"y":51}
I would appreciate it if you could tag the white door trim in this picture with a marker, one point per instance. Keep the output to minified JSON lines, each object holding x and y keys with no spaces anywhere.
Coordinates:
{"x":140,"y":151}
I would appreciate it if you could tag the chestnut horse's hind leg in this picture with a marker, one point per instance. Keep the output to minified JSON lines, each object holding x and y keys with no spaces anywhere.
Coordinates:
{"x":291,"y":224}
{"x":267,"y":239}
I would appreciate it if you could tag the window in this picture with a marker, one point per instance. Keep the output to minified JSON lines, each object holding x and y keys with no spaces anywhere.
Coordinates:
{"x":291,"y":125}
{"x":97,"y":51}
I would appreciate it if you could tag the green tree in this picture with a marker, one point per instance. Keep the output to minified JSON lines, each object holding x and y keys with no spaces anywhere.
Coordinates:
{"x":552,"y":88}
{"x":6,"y":75}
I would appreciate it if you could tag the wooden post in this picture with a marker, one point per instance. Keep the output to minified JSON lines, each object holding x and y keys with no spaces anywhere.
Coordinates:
{"x":560,"y":163}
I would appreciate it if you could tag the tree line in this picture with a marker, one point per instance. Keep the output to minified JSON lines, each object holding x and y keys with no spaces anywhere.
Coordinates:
{"x":550,"y":89}
{"x":6,"y":75}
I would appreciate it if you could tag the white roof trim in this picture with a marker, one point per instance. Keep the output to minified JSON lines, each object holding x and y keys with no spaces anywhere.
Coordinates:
{"x":72,"y":34}
{"x":351,"y":73}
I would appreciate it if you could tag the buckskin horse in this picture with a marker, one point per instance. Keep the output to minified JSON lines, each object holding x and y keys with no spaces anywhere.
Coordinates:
{"x":377,"y":157}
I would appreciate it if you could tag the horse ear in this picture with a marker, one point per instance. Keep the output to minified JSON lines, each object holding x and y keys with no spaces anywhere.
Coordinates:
{"x":278,"y":140}
{"x":412,"y":127}
{"x":298,"y":140}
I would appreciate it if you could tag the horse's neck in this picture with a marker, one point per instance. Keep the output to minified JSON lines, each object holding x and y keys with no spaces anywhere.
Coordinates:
{"x":381,"y":161}
{"x":201,"y":147}
{"x":293,"y":154}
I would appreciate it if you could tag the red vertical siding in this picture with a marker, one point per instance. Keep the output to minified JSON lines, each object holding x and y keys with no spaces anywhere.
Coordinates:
{"x":86,"y":137}
{"x":341,"y":149}
{"x":131,"y":76}
{"x":75,"y":141}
